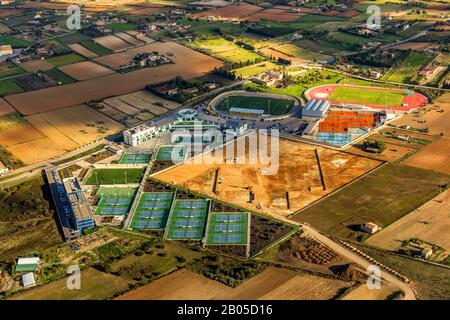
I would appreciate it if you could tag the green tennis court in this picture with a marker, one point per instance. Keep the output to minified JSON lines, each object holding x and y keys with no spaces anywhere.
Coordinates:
{"x":188,"y":220}
{"x":227,"y":228}
{"x":152,"y":211}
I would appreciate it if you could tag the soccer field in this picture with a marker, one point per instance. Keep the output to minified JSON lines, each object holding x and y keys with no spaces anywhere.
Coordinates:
{"x":367,"y":96}
{"x":272,"y":106}
{"x":115,"y":176}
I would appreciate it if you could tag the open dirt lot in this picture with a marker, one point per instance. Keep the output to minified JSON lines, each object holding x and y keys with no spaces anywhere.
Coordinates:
{"x":415,"y":46}
{"x":392,"y":153}
{"x":298,"y":175}
{"x":78,"y":48}
{"x":430,"y":222}
{"x":435,"y":157}
{"x":85,"y":70}
{"x":112,"y":43}
{"x":271,"y":284}
{"x":188,"y":64}
{"x":435,"y":117}
{"x":5,"y":108}
{"x":37,"y":65}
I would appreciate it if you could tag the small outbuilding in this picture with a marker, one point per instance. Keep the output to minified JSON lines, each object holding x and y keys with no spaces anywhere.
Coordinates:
{"x":370,"y":227}
{"x":28,"y":280}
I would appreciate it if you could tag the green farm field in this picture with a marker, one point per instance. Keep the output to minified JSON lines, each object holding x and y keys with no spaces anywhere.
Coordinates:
{"x":382,"y":197}
{"x":277,"y":106}
{"x":115,"y":176}
{"x":367,"y":96}
{"x":70,"y":58}
{"x":409,"y":67}
{"x":224,"y":50}
{"x":254,"y":69}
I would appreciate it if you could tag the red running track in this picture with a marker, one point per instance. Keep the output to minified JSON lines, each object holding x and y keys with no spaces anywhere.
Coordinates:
{"x":325,"y":91}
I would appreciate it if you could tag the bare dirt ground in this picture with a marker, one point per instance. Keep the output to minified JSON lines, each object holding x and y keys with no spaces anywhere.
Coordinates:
{"x":37,"y":65}
{"x":435,"y":117}
{"x":36,"y":151}
{"x":275,"y":14}
{"x":362,"y":292}
{"x":5,"y":108}
{"x":85,"y":70}
{"x":298,"y":175}
{"x":112,"y":43}
{"x":188,"y":64}
{"x":430,"y":222}
{"x":416,"y":46}
{"x":392,"y":153}
{"x":78,"y":48}
{"x":128,"y":38}
{"x":434,"y":156}
{"x":271,"y":284}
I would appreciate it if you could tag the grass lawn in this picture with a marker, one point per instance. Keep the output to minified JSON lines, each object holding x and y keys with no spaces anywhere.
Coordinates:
{"x":59,"y":61}
{"x":225,"y":50}
{"x":254,"y":69}
{"x":10,"y":120}
{"x":59,"y":76}
{"x":409,"y":67}
{"x":14,"y":42}
{"x":9,"y":86}
{"x":367,"y":96}
{"x":115,"y":176}
{"x":297,"y":52}
{"x":277,"y":106}
{"x":382,"y":197}
{"x":95,"y":285}
{"x":121,"y":27}
{"x":95,"y":47}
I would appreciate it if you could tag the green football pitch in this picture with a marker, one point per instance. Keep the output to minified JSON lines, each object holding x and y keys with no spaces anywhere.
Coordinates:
{"x":115,"y":176}
{"x":272,"y":106}
{"x":367,"y":96}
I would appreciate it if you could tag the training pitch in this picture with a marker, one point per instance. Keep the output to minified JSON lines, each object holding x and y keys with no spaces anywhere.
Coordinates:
{"x":115,"y":176}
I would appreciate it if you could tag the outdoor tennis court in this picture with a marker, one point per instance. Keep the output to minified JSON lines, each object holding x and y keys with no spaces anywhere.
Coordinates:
{"x":114,"y":201}
{"x":135,"y":158}
{"x":152,"y":210}
{"x":188,"y":220}
{"x":227,"y":228}
{"x":171,"y":153}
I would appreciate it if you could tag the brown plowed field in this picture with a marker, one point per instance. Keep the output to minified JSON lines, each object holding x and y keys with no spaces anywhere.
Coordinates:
{"x":430,"y":222}
{"x":298,"y":174}
{"x":5,"y":108}
{"x":188,"y":64}
{"x":78,"y":48}
{"x":271,"y":284}
{"x":435,"y":156}
{"x":37,"y":65}
{"x":234,"y":11}
{"x":19,"y":134}
{"x":112,"y":43}
{"x":85,"y":70}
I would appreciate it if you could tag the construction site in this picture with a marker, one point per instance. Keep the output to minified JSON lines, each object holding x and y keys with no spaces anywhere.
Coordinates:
{"x":305,"y":174}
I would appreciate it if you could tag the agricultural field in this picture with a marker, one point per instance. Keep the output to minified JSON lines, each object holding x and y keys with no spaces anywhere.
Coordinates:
{"x":9,"y":86}
{"x":296,"y":182}
{"x":37,"y":65}
{"x":120,"y":27}
{"x":271,"y":284}
{"x":85,"y":70}
{"x":117,"y":84}
{"x":255,"y":69}
{"x":93,"y":47}
{"x":428,"y":223}
{"x":112,"y":176}
{"x":96,"y":285}
{"x":434,"y":118}
{"x":381,"y":197}
{"x":112,"y":43}
{"x":408,"y":68}
{"x":432,"y":157}
{"x":78,"y":48}
{"x":232,"y":12}
{"x":224,"y":50}
{"x":5,"y":108}
{"x":59,"y":61}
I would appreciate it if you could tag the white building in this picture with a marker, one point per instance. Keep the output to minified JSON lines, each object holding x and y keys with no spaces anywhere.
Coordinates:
{"x":370,"y":227}
{"x":144,"y":132}
{"x":315,"y":109}
{"x":28,"y":280}
{"x":3,"y":169}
